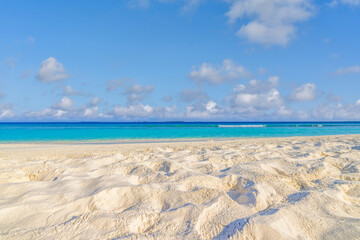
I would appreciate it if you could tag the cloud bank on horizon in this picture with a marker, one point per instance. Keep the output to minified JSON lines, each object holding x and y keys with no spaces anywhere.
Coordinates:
{"x":233,"y":60}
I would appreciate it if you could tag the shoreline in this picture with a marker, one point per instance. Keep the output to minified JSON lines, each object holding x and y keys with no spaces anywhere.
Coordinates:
{"x":162,"y":140}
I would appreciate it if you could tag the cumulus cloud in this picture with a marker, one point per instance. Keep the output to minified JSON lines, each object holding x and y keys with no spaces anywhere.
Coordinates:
{"x":137,"y":92}
{"x":348,"y":70}
{"x":218,"y":74}
{"x":134,"y":92}
{"x":91,"y":112}
{"x":211,"y":106}
{"x":140,"y":111}
{"x":257,"y":95}
{"x":337,"y":112}
{"x":306,"y":92}
{"x":51,"y":71}
{"x":48,"y":113}
{"x":284,"y":111}
{"x":64,"y":104}
{"x":265,"y":100}
{"x":271,"y":21}
{"x":64,"y":109}
{"x":261,"y":33}
{"x":132,"y":111}
{"x":268,"y":22}
{"x":6,"y":111}
{"x":209,"y":109}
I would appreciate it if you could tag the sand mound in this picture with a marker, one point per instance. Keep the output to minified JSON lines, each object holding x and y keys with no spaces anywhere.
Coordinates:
{"x":286,"y":188}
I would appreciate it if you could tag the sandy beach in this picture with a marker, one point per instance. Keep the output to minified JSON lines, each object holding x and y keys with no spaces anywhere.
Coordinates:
{"x":274,"y":188}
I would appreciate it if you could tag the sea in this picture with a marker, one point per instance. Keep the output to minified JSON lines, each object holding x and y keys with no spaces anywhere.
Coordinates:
{"x":83,"y":131}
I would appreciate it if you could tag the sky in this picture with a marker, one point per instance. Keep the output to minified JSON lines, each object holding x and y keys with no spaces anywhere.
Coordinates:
{"x":179,"y":60}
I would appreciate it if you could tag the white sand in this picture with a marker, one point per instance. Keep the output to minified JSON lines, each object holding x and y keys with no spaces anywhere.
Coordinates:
{"x":286,"y":188}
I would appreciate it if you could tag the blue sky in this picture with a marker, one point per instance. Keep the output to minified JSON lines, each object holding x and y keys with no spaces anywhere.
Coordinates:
{"x":207,"y":60}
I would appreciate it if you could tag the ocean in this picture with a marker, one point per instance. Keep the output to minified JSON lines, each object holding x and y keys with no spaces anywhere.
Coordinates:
{"x":24,"y":132}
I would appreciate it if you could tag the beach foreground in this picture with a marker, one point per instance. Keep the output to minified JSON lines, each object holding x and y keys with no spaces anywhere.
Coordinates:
{"x":275,"y":188}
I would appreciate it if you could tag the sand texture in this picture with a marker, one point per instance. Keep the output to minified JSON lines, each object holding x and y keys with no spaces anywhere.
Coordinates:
{"x":282,"y":188}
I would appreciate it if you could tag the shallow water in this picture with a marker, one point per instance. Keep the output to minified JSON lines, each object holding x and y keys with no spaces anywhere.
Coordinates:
{"x":10,"y":132}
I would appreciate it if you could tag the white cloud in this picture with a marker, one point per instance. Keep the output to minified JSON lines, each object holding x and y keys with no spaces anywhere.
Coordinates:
{"x":348,"y":70}
{"x":64,"y":104}
{"x":69,"y":91}
{"x":137,"y":92}
{"x":357,"y":103}
{"x":257,"y":95}
{"x":336,"y":112}
{"x":6,"y":111}
{"x":133,"y":111}
{"x":263,"y":100}
{"x":133,"y":91}
{"x":306,"y":92}
{"x":48,"y":113}
{"x":271,"y":21}
{"x":64,"y":109}
{"x":256,"y":86}
{"x":218,"y":74}
{"x":211,"y":106}
{"x":140,"y":111}
{"x":203,"y":111}
{"x":51,"y":71}
{"x":284,"y":111}
{"x":261,"y":33}
{"x":193,"y":112}
{"x":91,"y":112}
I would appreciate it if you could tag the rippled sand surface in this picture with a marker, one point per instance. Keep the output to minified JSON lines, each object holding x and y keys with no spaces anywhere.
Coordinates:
{"x":283,"y":188}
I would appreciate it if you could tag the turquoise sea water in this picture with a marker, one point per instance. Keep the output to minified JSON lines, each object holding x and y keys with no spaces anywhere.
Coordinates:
{"x":13,"y":132}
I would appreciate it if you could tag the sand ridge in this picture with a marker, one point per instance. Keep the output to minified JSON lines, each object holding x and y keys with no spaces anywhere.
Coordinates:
{"x":281,"y":188}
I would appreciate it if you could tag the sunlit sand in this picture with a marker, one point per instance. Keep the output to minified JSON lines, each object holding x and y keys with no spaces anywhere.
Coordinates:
{"x":276,"y":188}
